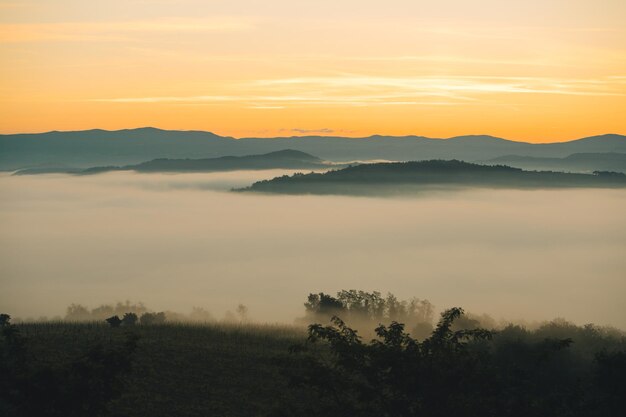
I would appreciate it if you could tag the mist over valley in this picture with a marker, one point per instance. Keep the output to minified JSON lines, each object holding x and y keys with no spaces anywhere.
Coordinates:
{"x":175,"y":241}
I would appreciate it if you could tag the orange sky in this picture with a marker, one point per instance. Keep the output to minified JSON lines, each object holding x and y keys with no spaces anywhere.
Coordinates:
{"x":531,"y":70}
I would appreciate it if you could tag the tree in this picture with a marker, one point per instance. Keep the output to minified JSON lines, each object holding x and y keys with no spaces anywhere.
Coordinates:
{"x":611,"y":377}
{"x":323,"y":305}
{"x":114,"y":321}
{"x":152,"y":318}
{"x":127,"y":307}
{"x":242,"y":312}
{"x":363,"y":309}
{"x":459,"y":370}
{"x":129,"y":319}
{"x":103,"y":311}
{"x":230,"y":317}
{"x":362,"y":304}
{"x":199,"y":314}
{"x":77,"y":312}
{"x":5,"y":320}
{"x":394,"y":375}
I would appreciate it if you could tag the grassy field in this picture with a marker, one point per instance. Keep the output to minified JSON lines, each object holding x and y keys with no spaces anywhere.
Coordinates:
{"x":185,"y":370}
{"x":218,"y":369}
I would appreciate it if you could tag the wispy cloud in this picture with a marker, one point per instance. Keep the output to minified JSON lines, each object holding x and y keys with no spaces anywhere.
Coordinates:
{"x":117,"y":30}
{"x":172,"y":99}
{"x":449,"y":59}
{"x":266,"y":107}
{"x":309,"y":131}
{"x":387,"y":91}
{"x":452,"y":86}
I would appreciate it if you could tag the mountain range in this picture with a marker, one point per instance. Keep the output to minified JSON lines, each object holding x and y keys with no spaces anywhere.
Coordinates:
{"x":577,"y":162}
{"x":89,"y":148}
{"x":285,"y":159}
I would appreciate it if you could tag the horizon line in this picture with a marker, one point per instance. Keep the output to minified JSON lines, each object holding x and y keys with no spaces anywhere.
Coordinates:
{"x":314,"y":133}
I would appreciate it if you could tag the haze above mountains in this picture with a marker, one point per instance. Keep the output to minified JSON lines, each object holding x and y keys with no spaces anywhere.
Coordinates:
{"x":90,"y":148}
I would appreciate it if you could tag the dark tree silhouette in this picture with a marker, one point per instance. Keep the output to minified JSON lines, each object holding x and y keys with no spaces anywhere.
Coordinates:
{"x":83,"y":386}
{"x":152,"y":318}
{"x":611,"y":380}
{"x":114,"y":321}
{"x":77,"y":312}
{"x":4,"y":319}
{"x":323,"y":304}
{"x":129,"y":319}
{"x":366,"y":309}
{"x":461,"y":372}
{"x":394,"y":375}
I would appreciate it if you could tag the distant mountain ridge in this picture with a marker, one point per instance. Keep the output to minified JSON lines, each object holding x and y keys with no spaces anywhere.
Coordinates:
{"x":96,"y":147}
{"x":577,"y":162}
{"x":284,"y":159}
{"x":398,"y":178}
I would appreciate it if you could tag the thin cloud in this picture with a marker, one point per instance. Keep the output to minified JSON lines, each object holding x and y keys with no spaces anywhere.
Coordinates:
{"x":308,"y":131}
{"x":161,"y":99}
{"x":420,"y":103}
{"x":447,"y":59}
{"x":117,"y":31}
{"x":451,"y":86}
{"x":389,"y":91}
{"x":266,"y":107}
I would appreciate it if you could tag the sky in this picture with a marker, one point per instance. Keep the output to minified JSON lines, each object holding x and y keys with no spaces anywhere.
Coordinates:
{"x":532,"y":70}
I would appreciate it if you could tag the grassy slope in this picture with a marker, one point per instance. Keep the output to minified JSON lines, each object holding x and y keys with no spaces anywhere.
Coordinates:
{"x":185,"y":370}
{"x":241,"y":370}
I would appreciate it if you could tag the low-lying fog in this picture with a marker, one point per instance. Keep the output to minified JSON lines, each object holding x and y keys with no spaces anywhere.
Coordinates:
{"x":183,"y":240}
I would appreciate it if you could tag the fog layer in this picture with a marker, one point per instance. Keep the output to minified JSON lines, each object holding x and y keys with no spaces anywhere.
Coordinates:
{"x":177,"y":241}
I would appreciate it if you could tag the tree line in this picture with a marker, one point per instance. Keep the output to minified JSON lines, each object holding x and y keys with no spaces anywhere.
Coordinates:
{"x":460,"y":366}
{"x":128,"y":314}
{"x":556,"y":370}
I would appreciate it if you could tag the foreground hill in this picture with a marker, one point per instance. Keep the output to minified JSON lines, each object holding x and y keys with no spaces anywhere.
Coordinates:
{"x":404,"y":177}
{"x":83,"y":149}
{"x":285,"y":159}
{"x":251,"y":370}
{"x":578,"y":162}
{"x":182,"y":370}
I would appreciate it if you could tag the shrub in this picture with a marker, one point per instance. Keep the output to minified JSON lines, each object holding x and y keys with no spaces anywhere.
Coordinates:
{"x":129,"y":319}
{"x":114,"y":321}
{"x":464,"y":372}
{"x":152,"y":318}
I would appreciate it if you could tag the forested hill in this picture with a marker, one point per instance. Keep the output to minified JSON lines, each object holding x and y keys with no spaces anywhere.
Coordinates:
{"x":284,"y":159}
{"x":401,"y":177}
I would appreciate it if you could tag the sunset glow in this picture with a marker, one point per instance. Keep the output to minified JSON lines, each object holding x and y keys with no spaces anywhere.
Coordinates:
{"x":529,"y":70}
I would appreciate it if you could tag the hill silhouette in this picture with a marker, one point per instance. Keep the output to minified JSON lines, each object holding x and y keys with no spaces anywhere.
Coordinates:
{"x":404,"y":177}
{"x":84,"y":149}
{"x":578,"y":162}
{"x":286,"y":159}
